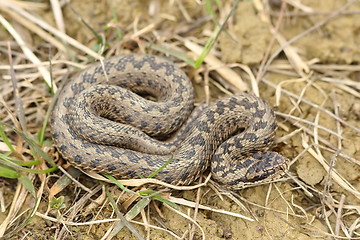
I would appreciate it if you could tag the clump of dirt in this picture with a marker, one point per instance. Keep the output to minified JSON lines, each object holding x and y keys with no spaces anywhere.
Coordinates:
{"x":335,"y":42}
{"x":247,"y":40}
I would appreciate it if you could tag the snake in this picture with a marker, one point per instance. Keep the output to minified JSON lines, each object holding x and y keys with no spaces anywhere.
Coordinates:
{"x":133,"y":116}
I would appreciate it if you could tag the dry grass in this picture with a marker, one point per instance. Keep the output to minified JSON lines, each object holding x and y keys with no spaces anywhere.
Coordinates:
{"x":33,"y":68}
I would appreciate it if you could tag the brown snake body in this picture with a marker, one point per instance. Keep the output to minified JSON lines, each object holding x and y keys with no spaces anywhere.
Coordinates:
{"x":102,"y":122}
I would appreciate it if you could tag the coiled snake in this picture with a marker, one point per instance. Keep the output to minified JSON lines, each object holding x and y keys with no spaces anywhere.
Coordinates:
{"x":131,"y":114}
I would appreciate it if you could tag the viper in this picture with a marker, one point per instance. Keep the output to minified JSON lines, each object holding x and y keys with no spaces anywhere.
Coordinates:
{"x":132,"y":114}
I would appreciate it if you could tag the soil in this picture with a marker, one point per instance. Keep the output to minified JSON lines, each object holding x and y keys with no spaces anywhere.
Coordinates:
{"x":282,"y":210}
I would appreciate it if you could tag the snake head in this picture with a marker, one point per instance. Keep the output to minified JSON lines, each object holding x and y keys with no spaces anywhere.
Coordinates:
{"x":266,"y":167}
{"x":261,"y":167}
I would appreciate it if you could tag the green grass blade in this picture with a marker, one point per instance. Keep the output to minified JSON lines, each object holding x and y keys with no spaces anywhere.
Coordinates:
{"x":7,"y":172}
{"x":166,"y":201}
{"x":23,"y":163}
{"x":209,"y":8}
{"x":27,"y":183}
{"x":114,"y":24}
{"x":161,"y":168}
{"x":117,"y":183}
{"x":172,"y":53}
{"x":215,"y":35}
{"x":147,"y":193}
{"x":157,"y":196}
{"x":14,"y":166}
{"x":5,"y":138}
{"x":35,"y":147}
{"x":5,"y":157}
{"x":120,"y":225}
{"x":41,"y":133}
{"x":136,"y":209}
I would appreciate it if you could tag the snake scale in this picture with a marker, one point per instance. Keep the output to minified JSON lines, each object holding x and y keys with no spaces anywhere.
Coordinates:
{"x":133,"y":113}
